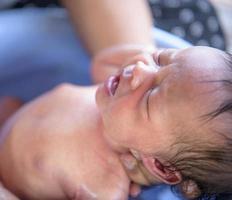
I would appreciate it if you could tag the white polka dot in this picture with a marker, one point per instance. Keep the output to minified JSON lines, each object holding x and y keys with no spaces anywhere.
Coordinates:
{"x":196,"y":29}
{"x":212,"y":24}
{"x":217,"y":41}
{"x":186,"y":16}
{"x":203,"y":6}
{"x":179,"y":31}
{"x":172,"y":3}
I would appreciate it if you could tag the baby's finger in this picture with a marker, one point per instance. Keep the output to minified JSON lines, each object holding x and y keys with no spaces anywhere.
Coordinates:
{"x":133,"y":169}
{"x":135,"y":189}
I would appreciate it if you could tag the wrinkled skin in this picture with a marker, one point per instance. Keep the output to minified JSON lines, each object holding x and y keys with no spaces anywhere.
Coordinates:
{"x":53,"y":148}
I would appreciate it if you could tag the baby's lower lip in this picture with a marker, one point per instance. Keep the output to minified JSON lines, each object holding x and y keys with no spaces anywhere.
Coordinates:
{"x":111,"y":84}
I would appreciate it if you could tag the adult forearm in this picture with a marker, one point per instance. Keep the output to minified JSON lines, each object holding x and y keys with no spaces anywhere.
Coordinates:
{"x":104,"y":23}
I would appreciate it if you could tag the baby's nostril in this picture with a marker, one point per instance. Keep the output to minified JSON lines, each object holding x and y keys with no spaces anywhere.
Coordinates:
{"x":114,"y":87}
{"x":127,"y":71}
{"x":115,"y":84}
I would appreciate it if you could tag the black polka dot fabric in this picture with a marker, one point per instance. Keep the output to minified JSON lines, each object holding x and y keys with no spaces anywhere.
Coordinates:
{"x":35,"y":3}
{"x":193,"y":20}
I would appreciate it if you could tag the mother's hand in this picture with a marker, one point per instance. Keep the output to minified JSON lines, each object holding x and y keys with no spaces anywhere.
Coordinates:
{"x":108,"y":61}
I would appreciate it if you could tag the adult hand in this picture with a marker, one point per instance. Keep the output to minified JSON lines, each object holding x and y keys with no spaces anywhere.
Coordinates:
{"x":52,"y":149}
{"x":108,"y":61}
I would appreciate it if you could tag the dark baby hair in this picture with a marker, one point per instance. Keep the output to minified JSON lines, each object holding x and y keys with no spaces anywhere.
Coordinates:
{"x":207,"y":167}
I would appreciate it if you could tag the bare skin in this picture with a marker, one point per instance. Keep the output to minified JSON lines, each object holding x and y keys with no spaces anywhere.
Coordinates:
{"x":156,"y":101}
{"x":8,"y":105}
{"x":54,"y":152}
{"x":45,"y":145}
{"x":92,"y":19}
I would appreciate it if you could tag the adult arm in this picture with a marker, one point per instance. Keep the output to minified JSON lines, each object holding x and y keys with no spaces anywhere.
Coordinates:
{"x":105,"y":23}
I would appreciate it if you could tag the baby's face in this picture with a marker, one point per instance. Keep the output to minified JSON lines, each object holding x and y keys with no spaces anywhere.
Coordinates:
{"x":149,"y":104}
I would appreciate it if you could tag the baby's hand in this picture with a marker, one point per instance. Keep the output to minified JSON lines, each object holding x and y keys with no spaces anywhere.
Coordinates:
{"x":137,"y":173}
{"x":109,"y":61}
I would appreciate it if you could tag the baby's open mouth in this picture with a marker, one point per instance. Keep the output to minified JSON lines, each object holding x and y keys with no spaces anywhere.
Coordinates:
{"x":112,"y":84}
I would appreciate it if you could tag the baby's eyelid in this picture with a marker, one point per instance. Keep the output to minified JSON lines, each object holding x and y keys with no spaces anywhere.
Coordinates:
{"x":148,"y":104}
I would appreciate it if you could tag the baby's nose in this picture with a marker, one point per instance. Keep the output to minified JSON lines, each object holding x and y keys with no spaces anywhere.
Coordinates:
{"x":138,"y":73}
{"x":128,"y":71}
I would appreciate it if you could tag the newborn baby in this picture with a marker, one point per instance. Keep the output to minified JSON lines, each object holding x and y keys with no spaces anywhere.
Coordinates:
{"x":170,"y":110}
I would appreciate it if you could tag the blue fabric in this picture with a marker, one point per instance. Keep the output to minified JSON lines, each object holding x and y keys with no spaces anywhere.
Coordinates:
{"x":39,"y":49}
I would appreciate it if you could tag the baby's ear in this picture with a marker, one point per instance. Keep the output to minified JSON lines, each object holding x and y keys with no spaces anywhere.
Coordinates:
{"x":166,"y":174}
{"x":8,"y":106}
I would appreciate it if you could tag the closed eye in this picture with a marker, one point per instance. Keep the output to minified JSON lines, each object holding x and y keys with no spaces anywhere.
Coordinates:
{"x":148,"y":104}
{"x":154,"y":91}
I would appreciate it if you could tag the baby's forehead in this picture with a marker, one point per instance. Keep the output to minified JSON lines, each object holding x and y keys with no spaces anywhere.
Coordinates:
{"x":201,"y":67}
{"x":203,"y":58}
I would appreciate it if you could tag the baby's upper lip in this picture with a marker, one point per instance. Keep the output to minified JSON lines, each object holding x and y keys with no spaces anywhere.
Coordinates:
{"x":112,"y":84}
